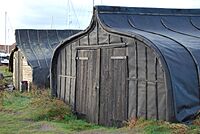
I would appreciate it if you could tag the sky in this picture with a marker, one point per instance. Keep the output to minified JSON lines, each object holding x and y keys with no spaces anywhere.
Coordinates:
{"x":64,"y":14}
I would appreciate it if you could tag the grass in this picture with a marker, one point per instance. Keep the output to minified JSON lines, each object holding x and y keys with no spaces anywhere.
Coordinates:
{"x":38,"y":113}
{"x":4,"y":70}
{"x":163,"y":127}
{"x":7,"y":75}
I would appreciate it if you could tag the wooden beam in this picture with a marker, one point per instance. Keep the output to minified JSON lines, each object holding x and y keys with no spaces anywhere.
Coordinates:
{"x":102,"y":46}
{"x":66,"y":76}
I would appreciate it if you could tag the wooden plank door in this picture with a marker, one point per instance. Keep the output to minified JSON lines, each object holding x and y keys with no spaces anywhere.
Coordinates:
{"x":113,"y":92}
{"x":87,"y":84}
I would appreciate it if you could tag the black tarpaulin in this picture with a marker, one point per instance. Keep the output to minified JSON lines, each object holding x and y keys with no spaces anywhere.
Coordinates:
{"x":175,"y":35}
{"x":38,"y":46}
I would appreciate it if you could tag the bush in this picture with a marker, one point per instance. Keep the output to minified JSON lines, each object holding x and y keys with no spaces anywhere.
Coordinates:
{"x":47,"y":108}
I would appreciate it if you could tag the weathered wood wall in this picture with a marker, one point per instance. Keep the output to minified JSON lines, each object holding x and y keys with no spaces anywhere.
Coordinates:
{"x":21,"y":70}
{"x":27,"y":71}
{"x":147,"y":90}
{"x":110,"y":78}
{"x":16,"y":71}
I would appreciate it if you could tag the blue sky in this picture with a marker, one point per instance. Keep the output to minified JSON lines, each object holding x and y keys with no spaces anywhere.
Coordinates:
{"x":65,"y":14}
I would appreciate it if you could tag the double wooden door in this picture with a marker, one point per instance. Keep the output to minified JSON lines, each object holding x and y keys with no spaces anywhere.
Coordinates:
{"x":101,"y":85}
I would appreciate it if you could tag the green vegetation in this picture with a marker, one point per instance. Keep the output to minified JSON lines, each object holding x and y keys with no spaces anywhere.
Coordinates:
{"x":37,"y":112}
{"x":163,"y":127}
{"x":4,"y":70}
{"x":7,"y":75}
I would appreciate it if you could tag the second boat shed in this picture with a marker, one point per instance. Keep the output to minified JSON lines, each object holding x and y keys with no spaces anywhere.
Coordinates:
{"x":131,"y":62}
{"x":30,"y":60}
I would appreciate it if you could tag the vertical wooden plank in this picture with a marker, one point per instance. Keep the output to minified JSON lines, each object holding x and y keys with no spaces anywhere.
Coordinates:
{"x":21,"y":68}
{"x":78,"y":84}
{"x":102,"y":36}
{"x":88,"y":92}
{"x":92,"y":97}
{"x":106,"y":85}
{"x":95,"y":84}
{"x":161,"y":93}
{"x":119,"y":86}
{"x":146,"y":83}
{"x":156,"y":87}
{"x":68,"y":89}
{"x":68,"y":73}
{"x":132,"y":67}
{"x":83,"y":66}
{"x":82,"y":76}
{"x":141,"y":82}
{"x":151,"y":100}
{"x":73,"y":73}
{"x":110,"y":92}
{"x":62,"y":84}
{"x":136,"y":84}
{"x":132,"y":82}
{"x":85,"y":82}
{"x":103,"y":77}
{"x":97,"y":35}
{"x":58,"y":76}
{"x":126,"y":79}
{"x":92,"y":37}
{"x":82,"y":81}
{"x":89,"y":98}
{"x":16,"y":68}
{"x":67,"y":79}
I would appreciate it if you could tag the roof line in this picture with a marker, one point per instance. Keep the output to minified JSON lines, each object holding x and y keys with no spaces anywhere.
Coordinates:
{"x":150,"y":14}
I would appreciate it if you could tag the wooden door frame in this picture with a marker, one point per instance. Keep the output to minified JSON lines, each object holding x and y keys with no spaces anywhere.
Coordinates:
{"x":118,"y":45}
{"x":96,"y":85}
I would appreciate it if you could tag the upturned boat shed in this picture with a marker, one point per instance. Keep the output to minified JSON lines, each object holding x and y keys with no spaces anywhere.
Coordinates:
{"x":30,"y":60}
{"x":131,"y":62}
